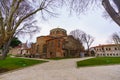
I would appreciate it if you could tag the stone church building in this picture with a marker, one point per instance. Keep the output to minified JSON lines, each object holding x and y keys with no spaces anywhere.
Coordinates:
{"x":56,"y":44}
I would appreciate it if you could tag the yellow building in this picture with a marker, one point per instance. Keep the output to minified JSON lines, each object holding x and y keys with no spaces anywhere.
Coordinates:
{"x":106,"y":50}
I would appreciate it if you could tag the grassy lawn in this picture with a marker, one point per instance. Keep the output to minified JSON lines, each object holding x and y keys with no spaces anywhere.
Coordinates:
{"x":99,"y":61}
{"x":15,"y":63}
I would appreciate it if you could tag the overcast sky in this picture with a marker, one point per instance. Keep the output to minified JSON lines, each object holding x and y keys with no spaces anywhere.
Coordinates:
{"x":92,"y":23}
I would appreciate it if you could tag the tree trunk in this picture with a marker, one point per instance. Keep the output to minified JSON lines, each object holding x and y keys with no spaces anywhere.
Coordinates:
{"x":113,"y":14}
{"x":88,"y":49}
{"x":88,"y":52}
{"x":5,"y":49}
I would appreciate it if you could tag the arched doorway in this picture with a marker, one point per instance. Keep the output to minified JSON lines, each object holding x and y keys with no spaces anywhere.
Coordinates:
{"x":92,"y":53}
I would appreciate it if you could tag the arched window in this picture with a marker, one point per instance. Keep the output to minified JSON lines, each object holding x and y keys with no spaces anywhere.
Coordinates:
{"x":52,"y":32}
{"x":115,"y":48}
{"x":44,"y":48}
{"x":57,"y":32}
{"x":109,"y":48}
{"x":106,"y":49}
{"x":58,"y":43}
{"x":63,"y":32}
{"x":37,"y":48}
{"x":117,"y":54}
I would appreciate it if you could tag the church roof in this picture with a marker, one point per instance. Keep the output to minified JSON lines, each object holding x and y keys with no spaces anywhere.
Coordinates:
{"x":58,"y":29}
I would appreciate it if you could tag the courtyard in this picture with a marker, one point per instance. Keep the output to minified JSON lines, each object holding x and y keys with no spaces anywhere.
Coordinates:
{"x":65,"y":69}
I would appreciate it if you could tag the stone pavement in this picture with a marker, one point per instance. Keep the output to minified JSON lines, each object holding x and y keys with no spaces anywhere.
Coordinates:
{"x":64,"y":70}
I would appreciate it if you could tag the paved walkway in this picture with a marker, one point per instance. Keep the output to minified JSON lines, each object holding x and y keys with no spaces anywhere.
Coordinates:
{"x":64,"y":70}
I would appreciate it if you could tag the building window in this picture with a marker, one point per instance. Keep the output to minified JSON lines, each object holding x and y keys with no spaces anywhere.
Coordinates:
{"x":115,"y":48}
{"x":27,"y":51}
{"x":52,"y":32}
{"x":106,"y":49}
{"x":51,"y":44}
{"x":58,"y":43}
{"x":44,"y":48}
{"x":57,"y":32}
{"x":97,"y":49}
{"x":37,"y":48}
{"x":113,"y":54}
{"x":63,"y":32}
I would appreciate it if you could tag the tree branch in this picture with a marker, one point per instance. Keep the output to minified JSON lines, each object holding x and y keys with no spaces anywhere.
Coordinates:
{"x":12,"y":12}
{"x":25,"y":17}
{"x":114,"y":15}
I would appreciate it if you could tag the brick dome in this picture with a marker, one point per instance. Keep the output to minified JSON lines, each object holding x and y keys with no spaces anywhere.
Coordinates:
{"x":58,"y":32}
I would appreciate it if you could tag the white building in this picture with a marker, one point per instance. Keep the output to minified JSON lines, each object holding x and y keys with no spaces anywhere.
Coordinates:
{"x":106,"y":50}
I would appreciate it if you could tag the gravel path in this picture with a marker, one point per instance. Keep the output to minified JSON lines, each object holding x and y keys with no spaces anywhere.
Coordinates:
{"x":64,"y":70}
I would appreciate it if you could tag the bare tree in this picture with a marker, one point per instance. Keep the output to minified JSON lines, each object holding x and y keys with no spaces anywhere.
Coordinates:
{"x":116,"y":38}
{"x":81,"y":6}
{"x":77,"y":34}
{"x":17,"y":16}
{"x":83,"y":38}
{"x":88,"y":40}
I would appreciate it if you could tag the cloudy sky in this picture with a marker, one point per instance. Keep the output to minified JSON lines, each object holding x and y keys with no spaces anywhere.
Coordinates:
{"x":92,"y":23}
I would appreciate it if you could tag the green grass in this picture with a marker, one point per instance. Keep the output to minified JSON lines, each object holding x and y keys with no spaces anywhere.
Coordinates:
{"x":99,"y":61}
{"x":15,"y":63}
